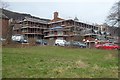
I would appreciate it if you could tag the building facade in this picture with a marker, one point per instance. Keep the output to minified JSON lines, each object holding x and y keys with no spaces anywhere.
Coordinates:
{"x":4,"y":25}
{"x":65,"y":29}
{"x":31,"y":28}
{"x":56,"y":28}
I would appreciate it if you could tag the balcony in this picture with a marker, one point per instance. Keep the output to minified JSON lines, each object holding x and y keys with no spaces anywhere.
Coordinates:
{"x":68,"y":26}
{"x":31,"y":33}
{"x":31,"y":27}
{"x":46,"y":30}
{"x":57,"y":35}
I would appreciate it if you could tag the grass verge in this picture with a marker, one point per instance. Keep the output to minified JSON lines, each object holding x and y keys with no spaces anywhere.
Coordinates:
{"x":59,"y":62}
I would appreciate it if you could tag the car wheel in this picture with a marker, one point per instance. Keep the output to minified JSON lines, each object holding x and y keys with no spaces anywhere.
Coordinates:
{"x":81,"y":46}
{"x":57,"y":44}
{"x":115,"y":48}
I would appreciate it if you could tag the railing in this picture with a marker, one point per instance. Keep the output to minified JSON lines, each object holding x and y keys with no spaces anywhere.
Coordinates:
{"x":57,"y":30}
{"x":52,"y":35}
{"x":31,"y":33}
{"x":32,"y":27}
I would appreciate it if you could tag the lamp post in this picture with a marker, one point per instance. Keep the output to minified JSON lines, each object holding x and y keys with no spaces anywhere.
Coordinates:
{"x":95,"y":41}
{"x":83,"y":40}
{"x":88,"y":43}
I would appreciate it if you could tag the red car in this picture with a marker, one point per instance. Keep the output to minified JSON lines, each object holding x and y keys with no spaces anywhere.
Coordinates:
{"x":107,"y":46}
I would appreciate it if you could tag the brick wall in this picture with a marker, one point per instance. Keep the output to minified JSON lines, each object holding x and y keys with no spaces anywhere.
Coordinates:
{"x":4,"y":24}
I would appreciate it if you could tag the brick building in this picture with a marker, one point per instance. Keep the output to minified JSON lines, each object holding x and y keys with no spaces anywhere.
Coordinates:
{"x":31,"y":28}
{"x":24,"y":24}
{"x":4,"y":25}
{"x":65,"y":29}
{"x":38,"y":28}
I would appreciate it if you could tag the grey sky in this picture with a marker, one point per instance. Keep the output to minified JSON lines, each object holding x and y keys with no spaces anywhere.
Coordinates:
{"x":86,"y":11}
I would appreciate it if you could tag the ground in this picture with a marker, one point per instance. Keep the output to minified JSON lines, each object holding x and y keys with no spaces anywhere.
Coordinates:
{"x":59,"y":62}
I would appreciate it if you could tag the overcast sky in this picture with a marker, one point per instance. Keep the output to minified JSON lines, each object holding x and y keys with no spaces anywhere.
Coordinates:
{"x":93,"y":11}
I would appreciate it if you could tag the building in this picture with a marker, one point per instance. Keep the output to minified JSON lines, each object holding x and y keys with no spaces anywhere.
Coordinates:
{"x":24,"y":24}
{"x":110,"y":32}
{"x":31,"y":28}
{"x":57,"y":28}
{"x":4,"y":25}
{"x":65,"y":29}
{"x":39,"y":28}
{"x":56,"y":17}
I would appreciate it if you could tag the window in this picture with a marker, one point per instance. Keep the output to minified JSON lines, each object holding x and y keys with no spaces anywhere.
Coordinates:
{"x":60,"y":32}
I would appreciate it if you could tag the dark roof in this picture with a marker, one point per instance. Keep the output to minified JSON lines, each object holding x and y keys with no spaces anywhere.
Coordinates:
{"x":3,"y":16}
{"x":71,"y":20}
{"x":35,"y":20}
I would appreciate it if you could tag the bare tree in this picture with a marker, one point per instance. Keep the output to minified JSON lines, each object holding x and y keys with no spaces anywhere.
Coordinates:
{"x":3,"y":4}
{"x":113,"y":18}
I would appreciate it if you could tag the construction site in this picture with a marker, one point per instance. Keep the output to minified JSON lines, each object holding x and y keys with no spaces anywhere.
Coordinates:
{"x":34,"y":28}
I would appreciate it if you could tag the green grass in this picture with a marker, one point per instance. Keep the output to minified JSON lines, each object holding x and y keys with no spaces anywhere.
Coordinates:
{"x":59,"y":62}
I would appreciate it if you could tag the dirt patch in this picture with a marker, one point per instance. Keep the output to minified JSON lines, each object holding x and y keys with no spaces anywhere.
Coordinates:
{"x":59,"y":70}
{"x":95,"y":67}
{"x":110,"y":56}
{"x":81,"y":64}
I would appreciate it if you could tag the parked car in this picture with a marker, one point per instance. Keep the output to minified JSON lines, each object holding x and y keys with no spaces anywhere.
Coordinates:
{"x":23,"y":41}
{"x":98,"y":46}
{"x":17,"y":37}
{"x":60,"y":42}
{"x":108,"y":46}
{"x":78,"y":44}
{"x":41,"y":42}
{"x":1,"y":39}
{"x":68,"y":43}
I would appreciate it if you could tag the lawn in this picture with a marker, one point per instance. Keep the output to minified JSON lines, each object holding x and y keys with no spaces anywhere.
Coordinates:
{"x":59,"y":62}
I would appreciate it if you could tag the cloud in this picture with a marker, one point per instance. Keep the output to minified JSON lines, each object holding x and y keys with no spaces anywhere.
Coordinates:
{"x":108,"y":1}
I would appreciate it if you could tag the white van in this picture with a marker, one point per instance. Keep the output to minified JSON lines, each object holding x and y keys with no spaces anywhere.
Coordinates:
{"x":19,"y":38}
{"x":60,"y":42}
